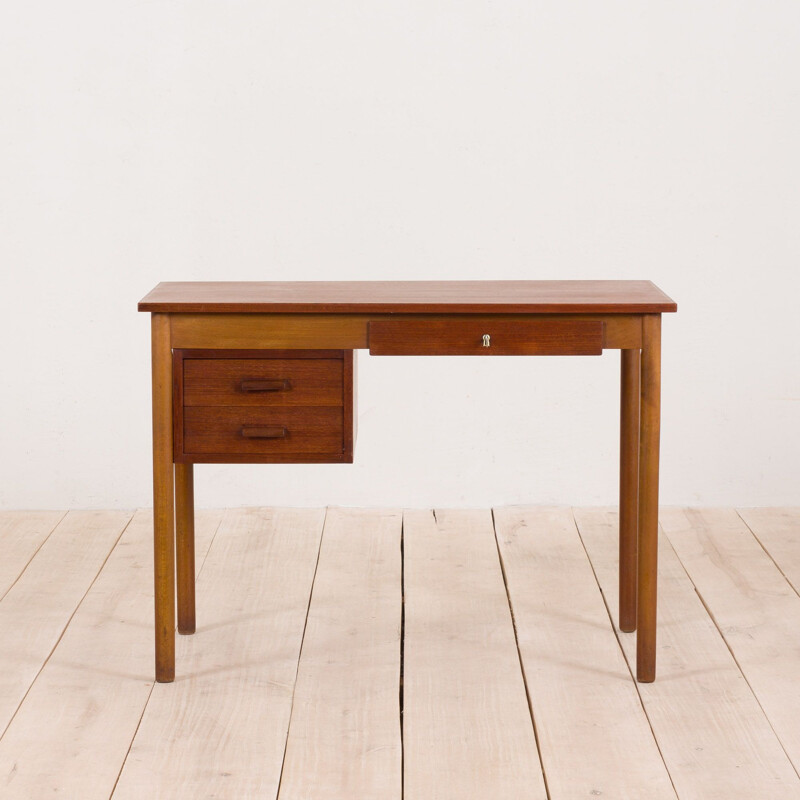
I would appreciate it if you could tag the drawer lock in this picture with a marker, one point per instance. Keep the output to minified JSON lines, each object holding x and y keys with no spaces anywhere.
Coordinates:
{"x":487,"y":341}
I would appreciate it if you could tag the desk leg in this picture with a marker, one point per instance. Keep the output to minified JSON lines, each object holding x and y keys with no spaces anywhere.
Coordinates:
{"x":163,"y":500}
{"x":628,"y":487}
{"x":184,"y":539}
{"x":648,"y":498}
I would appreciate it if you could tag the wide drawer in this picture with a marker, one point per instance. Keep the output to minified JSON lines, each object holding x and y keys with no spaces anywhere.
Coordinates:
{"x":262,"y":381}
{"x":246,"y":430}
{"x":485,"y":337}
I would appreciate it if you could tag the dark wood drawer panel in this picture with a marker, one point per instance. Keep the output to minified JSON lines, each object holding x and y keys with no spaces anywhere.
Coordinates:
{"x":262,"y":381}
{"x":245,"y":430}
{"x":485,"y":337}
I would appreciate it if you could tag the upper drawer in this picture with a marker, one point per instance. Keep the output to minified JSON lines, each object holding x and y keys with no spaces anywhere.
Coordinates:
{"x":485,"y":337}
{"x":262,"y":381}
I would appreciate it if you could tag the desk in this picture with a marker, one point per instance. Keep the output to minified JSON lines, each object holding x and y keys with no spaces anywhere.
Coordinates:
{"x":263,"y":372}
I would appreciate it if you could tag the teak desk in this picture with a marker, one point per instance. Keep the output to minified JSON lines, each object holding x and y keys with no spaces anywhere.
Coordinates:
{"x":263,"y":373}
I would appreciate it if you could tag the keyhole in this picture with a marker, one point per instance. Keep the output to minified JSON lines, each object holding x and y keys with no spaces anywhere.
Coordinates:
{"x":487,"y":342}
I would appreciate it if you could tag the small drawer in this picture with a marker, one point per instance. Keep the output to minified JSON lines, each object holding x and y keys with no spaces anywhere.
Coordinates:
{"x":485,"y":337}
{"x":263,"y":406}
{"x":262,"y":381}
{"x":246,"y":430}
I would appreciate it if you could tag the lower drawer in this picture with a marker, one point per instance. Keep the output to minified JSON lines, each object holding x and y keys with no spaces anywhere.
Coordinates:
{"x":228,"y":431}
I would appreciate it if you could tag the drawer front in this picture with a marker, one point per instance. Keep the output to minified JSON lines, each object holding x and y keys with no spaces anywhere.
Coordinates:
{"x":485,"y":337}
{"x":246,"y":430}
{"x":262,"y":382}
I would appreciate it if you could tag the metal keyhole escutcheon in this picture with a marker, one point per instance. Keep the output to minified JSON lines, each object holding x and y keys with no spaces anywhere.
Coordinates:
{"x":487,"y":342}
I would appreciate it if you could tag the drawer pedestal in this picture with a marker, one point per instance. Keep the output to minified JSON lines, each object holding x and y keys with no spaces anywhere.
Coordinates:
{"x":263,"y":406}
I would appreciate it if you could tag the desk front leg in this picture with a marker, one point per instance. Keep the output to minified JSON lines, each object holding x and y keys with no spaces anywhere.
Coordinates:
{"x":163,"y":500}
{"x":650,"y":411}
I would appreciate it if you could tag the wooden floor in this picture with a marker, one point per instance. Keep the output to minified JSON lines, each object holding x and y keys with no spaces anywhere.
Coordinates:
{"x":377,"y":654}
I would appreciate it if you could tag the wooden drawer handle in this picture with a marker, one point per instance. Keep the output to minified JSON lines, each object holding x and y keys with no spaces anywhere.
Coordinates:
{"x":264,"y":433}
{"x":278,"y":385}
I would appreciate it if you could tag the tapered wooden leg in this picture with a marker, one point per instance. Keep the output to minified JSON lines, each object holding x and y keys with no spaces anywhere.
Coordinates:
{"x":628,"y":488}
{"x":163,"y":504}
{"x":650,"y":411}
{"x":184,"y":540}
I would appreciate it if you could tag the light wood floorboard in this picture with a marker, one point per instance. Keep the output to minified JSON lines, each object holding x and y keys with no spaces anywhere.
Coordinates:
{"x":466,"y":727}
{"x":344,"y":739}
{"x":71,"y":735}
{"x":753,"y":605}
{"x":716,"y":741}
{"x":778,"y":531}
{"x":22,"y":534}
{"x":37,"y":608}
{"x":220,"y":729}
{"x":578,"y":682}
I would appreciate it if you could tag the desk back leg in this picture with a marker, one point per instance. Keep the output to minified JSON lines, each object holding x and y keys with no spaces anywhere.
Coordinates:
{"x":184,"y":551}
{"x":628,"y":487}
{"x":648,"y":498}
{"x":163,"y":500}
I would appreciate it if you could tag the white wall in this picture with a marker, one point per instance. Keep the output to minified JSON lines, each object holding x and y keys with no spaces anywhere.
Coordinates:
{"x":146,"y":141}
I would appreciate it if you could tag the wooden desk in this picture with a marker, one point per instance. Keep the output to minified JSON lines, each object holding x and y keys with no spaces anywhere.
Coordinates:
{"x":263,"y":373}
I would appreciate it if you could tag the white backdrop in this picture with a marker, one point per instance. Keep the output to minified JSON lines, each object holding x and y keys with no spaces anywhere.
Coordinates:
{"x":257,"y":139}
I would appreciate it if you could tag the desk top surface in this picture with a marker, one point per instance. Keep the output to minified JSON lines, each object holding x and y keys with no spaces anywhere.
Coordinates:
{"x":411,"y":297}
